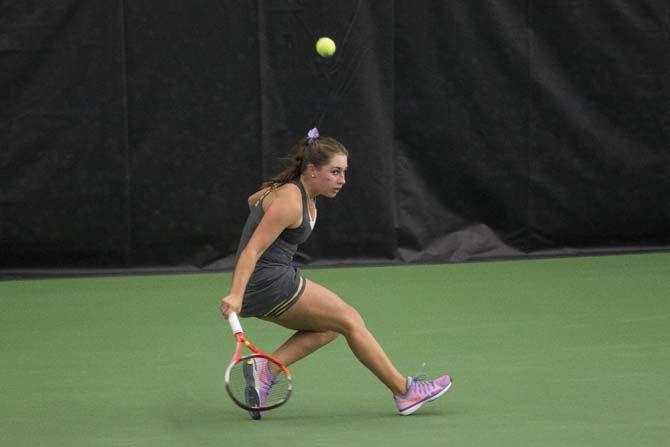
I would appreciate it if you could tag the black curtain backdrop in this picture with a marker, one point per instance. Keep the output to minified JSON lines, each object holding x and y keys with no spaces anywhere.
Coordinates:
{"x":131,"y":132}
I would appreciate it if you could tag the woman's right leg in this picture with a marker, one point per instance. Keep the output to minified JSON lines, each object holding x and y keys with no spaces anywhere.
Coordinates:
{"x":319,"y":309}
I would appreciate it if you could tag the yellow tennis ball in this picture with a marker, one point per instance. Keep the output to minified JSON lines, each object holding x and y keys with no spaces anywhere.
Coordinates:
{"x":325,"y":46}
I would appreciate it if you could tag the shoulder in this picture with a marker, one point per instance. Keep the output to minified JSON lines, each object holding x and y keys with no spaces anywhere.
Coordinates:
{"x":288,"y":195}
{"x":286,"y":199}
{"x":287,"y":191}
{"x":290,"y":191}
{"x":283,"y":206}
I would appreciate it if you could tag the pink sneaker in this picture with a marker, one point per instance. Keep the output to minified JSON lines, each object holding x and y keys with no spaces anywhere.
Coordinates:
{"x":419,"y":392}
{"x":264,"y":379}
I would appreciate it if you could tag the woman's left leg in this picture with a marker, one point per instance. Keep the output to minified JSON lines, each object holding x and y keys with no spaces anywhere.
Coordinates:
{"x":301,"y":344}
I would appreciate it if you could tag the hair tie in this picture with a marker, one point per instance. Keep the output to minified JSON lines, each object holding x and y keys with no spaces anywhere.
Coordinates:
{"x":312,"y":135}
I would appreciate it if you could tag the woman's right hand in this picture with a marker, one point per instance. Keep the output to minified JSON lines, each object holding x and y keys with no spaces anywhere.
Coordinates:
{"x":230,"y":304}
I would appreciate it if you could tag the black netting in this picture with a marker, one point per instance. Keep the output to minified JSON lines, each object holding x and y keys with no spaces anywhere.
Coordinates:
{"x":132,"y":133}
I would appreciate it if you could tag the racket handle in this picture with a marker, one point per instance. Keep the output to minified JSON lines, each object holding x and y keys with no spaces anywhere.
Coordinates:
{"x":234,"y":323}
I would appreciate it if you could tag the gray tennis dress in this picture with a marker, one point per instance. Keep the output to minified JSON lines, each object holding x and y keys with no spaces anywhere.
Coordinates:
{"x":275,"y":285}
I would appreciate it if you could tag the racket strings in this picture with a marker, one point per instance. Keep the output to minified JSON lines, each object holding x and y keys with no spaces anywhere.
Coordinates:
{"x":256,"y":383}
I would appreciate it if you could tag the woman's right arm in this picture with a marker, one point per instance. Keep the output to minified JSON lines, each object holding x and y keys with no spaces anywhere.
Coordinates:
{"x":284,"y":211}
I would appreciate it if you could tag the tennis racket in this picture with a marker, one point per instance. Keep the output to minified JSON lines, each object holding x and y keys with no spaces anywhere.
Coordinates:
{"x":256,"y":382}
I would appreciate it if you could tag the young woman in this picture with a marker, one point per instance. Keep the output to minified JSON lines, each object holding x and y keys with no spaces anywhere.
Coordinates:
{"x":266,"y":284}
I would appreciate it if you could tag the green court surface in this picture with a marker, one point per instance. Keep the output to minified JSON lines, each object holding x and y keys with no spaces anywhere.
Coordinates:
{"x":561,"y":352}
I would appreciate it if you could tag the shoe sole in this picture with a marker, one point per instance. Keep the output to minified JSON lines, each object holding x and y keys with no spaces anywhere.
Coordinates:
{"x":409,"y":410}
{"x":250,"y":395}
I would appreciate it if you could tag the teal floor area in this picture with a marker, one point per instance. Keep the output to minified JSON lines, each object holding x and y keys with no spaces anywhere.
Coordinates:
{"x":558,"y":352}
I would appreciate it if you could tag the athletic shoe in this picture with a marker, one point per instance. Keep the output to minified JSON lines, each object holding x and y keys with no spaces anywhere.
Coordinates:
{"x":420,"y":392}
{"x":264,"y":379}
{"x":259,"y":380}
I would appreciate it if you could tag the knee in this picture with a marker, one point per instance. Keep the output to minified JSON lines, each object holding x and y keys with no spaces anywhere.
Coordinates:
{"x":351,"y":321}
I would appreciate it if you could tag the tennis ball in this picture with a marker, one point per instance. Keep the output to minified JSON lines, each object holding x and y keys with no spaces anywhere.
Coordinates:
{"x":325,"y":46}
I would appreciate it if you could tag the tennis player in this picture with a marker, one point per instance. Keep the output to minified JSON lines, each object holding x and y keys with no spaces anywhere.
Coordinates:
{"x":266,"y":284}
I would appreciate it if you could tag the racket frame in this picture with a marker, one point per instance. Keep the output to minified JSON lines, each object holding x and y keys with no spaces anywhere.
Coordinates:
{"x":241,"y":339}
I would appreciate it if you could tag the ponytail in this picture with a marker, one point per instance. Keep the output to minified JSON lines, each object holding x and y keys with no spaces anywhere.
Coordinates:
{"x":292,"y":171}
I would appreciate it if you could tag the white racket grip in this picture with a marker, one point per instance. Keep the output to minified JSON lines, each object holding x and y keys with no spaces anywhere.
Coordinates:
{"x":234,"y":323}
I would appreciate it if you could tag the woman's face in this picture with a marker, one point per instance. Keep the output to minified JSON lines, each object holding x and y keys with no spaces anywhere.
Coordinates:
{"x":331,"y":178}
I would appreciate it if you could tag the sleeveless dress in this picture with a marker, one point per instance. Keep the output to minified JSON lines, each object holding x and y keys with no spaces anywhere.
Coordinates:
{"x":275,"y":284}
